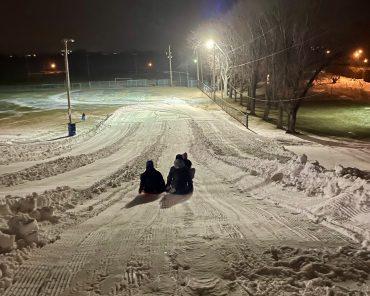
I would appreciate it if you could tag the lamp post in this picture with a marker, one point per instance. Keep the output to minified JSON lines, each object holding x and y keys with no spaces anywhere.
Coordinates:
{"x":169,"y":56}
{"x":71,"y":127}
{"x":197,"y":62}
{"x":212,"y":45}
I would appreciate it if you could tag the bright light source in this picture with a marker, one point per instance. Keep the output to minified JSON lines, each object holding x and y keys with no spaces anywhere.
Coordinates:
{"x":53,"y":65}
{"x":360,"y":51}
{"x":195,"y":61}
{"x":150,"y":64}
{"x":34,"y":55}
{"x":356,"y":54}
{"x":210,"y":44}
{"x":328,"y":51}
{"x":365,"y":61}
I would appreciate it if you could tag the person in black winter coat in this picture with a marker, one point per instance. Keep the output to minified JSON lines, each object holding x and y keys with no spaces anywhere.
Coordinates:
{"x":179,"y":179}
{"x":151,"y":181}
{"x":170,"y":174}
{"x":187,"y":162}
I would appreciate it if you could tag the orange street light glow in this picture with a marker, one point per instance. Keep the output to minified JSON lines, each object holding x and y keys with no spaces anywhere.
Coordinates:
{"x":365,"y":61}
{"x":328,"y":51}
{"x":53,"y":65}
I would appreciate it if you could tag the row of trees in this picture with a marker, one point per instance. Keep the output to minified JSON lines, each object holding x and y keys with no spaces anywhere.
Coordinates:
{"x":279,"y":46}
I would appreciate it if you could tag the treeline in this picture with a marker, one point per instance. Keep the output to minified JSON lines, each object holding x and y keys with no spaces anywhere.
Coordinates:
{"x":277,"y":46}
{"x":84,"y":66}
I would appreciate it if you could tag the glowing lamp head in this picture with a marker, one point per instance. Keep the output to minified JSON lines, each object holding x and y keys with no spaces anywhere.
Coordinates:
{"x":150,"y":64}
{"x":356,"y":55}
{"x":210,"y":44}
{"x":53,"y":66}
{"x":360,"y":51}
{"x":195,"y":61}
{"x":328,"y":51}
{"x":366,"y":61}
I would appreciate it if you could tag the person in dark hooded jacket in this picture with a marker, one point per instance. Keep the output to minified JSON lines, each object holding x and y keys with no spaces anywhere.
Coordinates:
{"x":187,"y":161}
{"x":179,"y":180}
{"x":151,"y":181}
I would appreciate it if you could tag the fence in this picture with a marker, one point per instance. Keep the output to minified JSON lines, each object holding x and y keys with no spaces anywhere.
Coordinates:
{"x":237,"y":114}
{"x":115,"y":84}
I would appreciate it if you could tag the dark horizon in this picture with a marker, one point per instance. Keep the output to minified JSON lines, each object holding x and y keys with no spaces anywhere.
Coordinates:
{"x":135,"y":25}
{"x":117,"y":26}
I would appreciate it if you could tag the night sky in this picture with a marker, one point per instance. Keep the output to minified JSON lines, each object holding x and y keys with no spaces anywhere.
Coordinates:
{"x":116,"y":25}
{"x":97,"y":25}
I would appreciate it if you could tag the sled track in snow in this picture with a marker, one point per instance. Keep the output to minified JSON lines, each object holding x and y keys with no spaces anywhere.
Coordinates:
{"x":45,"y":281}
{"x":206,"y":243}
{"x":34,"y":151}
{"x":64,"y":164}
{"x":248,"y":206}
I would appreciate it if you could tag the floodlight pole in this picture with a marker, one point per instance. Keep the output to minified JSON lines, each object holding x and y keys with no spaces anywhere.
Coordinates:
{"x":197,"y":59}
{"x":201,"y":71}
{"x":214,"y":72}
{"x":170,"y":61}
{"x":68,"y":82}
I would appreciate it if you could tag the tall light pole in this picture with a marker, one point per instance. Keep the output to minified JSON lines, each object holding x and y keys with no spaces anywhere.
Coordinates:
{"x":212,"y":45}
{"x":214,"y":72}
{"x":27,"y":65}
{"x":197,"y":62}
{"x":169,"y":56}
{"x":68,"y":82}
{"x":88,"y":67}
{"x":201,"y":70}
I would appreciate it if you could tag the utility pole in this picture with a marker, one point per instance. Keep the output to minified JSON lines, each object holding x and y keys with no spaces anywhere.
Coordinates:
{"x":88,"y":67}
{"x":27,"y":66}
{"x":71,"y":128}
{"x":214,"y":72}
{"x":197,"y":62}
{"x":169,"y":55}
{"x":201,"y":71}
{"x":187,"y":74}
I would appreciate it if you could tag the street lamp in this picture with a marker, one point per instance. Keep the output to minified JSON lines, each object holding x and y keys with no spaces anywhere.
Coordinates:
{"x":357,"y":53}
{"x":150,"y":64}
{"x":71,"y":126}
{"x":366,"y":61}
{"x":210,"y":44}
{"x":169,"y":56}
{"x":53,"y":66}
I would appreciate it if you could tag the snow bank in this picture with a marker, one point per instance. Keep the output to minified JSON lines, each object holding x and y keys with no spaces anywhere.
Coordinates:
{"x":340,"y":197}
{"x":344,"y":192}
{"x":284,"y":270}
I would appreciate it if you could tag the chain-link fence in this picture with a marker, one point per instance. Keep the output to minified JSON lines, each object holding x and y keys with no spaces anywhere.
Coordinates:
{"x":118,"y":84}
{"x":236,"y":113}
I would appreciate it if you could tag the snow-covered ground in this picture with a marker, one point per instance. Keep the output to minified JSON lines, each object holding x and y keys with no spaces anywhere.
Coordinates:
{"x":261,"y":221}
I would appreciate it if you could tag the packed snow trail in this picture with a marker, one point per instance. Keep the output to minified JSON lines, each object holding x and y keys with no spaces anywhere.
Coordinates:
{"x":223,"y":239}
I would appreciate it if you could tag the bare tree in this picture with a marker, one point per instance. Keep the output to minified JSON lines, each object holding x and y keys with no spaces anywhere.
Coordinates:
{"x":278,"y":42}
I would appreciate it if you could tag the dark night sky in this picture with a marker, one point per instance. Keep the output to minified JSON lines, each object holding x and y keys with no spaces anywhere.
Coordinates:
{"x":101,"y":25}
{"x":115,"y":25}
